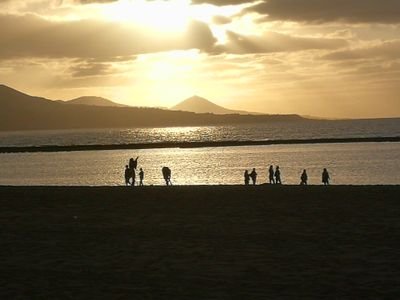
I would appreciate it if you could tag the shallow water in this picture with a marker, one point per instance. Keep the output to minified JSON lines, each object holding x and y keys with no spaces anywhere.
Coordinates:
{"x":355,"y":163}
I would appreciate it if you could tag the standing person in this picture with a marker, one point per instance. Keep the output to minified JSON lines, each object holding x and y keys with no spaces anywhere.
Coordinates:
{"x":271,"y":174}
{"x":141,"y":176}
{"x":303,"y":178}
{"x":167,"y":175}
{"x":246,"y":177}
{"x":127,"y":175}
{"x":325,"y":177}
{"x":278,"y":175}
{"x":253,"y":176}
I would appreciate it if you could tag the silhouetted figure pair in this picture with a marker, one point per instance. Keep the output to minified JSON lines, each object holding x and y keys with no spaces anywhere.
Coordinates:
{"x":167,"y":175}
{"x":129,"y":174}
{"x":277,"y":175}
{"x":246,"y":177}
{"x":325,"y":177}
{"x":253,"y":176}
{"x":271,"y":175}
{"x":303,"y":178}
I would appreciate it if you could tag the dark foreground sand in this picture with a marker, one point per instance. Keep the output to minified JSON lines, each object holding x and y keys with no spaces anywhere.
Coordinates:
{"x":228,"y":242}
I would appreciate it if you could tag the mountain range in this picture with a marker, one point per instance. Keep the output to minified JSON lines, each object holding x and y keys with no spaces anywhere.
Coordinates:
{"x":19,"y":111}
{"x":93,"y":100}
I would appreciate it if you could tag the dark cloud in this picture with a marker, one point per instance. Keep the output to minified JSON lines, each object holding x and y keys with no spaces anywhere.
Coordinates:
{"x":322,"y":11}
{"x":221,"y":20}
{"x":276,"y":42}
{"x":31,"y":36}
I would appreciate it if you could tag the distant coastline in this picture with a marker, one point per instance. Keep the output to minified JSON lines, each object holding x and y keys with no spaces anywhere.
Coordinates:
{"x":157,"y":145}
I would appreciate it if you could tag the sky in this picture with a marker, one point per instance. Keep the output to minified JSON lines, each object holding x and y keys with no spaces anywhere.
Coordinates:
{"x":322,"y":58}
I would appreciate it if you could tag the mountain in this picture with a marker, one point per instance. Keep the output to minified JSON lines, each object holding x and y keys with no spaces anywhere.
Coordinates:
{"x":19,"y":111}
{"x":201,"y":105}
{"x":96,"y":101}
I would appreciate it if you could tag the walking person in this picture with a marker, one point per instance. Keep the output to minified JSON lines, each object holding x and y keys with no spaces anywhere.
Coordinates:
{"x":167,"y":175}
{"x":278,"y":175}
{"x":246,"y":177}
{"x":325,"y":177}
{"x":253,"y":176}
{"x":271,"y":174}
{"x":141,"y":176}
{"x":303,"y":178}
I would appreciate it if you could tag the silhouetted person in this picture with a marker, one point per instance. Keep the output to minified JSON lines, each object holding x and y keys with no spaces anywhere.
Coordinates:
{"x":133,"y":163}
{"x":325,"y":177}
{"x":127,"y":175}
{"x":246,"y":177}
{"x":271,"y":175}
{"x":167,"y":175}
{"x":253,"y":176}
{"x":303,"y":178}
{"x":141,"y":176}
{"x":278,"y":175}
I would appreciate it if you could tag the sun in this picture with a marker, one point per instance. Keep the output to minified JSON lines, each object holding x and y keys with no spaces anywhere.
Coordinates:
{"x":158,"y":15}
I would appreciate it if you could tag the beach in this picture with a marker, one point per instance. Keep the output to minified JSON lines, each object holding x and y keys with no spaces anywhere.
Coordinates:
{"x":200,"y":242}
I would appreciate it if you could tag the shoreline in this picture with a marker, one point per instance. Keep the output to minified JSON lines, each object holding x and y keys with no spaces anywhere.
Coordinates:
{"x":158,"y":145}
{"x":206,"y":186}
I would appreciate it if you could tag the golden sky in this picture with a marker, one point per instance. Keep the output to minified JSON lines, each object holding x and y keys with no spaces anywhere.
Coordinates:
{"x":325,"y":58}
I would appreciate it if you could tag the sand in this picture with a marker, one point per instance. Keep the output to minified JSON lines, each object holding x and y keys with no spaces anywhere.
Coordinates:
{"x":199,"y":242}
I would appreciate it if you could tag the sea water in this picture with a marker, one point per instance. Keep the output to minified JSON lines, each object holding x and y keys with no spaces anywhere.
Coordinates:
{"x":268,"y":131}
{"x":354,"y":163}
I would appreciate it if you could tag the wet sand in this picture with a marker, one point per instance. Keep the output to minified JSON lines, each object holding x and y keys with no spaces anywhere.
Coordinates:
{"x":200,"y":242}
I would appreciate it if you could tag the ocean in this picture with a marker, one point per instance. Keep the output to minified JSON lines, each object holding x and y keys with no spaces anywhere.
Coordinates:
{"x":352,"y":163}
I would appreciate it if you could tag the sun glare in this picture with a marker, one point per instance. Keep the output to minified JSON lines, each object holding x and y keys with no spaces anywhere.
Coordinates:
{"x":160,"y":15}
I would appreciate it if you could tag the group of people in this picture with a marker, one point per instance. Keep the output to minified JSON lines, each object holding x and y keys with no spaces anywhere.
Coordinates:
{"x":275,"y":176}
{"x":130,"y":172}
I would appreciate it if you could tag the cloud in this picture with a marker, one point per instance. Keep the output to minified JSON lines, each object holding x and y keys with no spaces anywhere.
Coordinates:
{"x":276,"y":42}
{"x":90,"y":69}
{"x":387,"y":50}
{"x":94,"y":1}
{"x":32,"y":36}
{"x":322,"y":11}
{"x":221,"y":20}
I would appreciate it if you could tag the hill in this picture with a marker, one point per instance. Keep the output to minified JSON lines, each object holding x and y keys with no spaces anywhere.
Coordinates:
{"x":19,"y":111}
{"x":200,"y":105}
{"x":93,"y":100}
